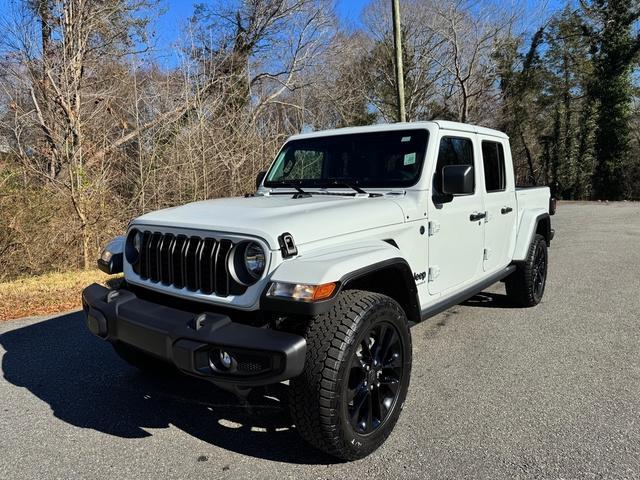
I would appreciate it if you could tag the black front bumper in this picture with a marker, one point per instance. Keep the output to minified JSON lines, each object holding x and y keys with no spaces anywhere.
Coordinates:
{"x":193,"y":342}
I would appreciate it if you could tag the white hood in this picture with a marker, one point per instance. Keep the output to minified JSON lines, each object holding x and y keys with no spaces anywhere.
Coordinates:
{"x":307,"y":219}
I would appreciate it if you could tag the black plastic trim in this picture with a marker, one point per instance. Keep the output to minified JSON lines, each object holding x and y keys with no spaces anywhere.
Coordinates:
{"x":467,"y":293}
{"x":547,"y":235}
{"x":180,"y":336}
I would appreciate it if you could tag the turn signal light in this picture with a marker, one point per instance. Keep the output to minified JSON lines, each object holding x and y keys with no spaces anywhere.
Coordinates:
{"x":324,"y":291}
{"x":302,"y":292}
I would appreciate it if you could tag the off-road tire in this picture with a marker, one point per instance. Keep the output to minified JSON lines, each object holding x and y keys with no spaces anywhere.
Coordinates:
{"x":523,"y":287}
{"x":318,"y":396}
{"x":141,"y":360}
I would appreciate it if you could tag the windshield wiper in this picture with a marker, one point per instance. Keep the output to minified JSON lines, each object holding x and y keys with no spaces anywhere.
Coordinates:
{"x":343,"y":184}
{"x":340,"y":183}
{"x":301,"y":193}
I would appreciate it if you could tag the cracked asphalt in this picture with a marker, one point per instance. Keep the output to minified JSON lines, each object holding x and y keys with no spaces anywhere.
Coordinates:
{"x":496,"y":392}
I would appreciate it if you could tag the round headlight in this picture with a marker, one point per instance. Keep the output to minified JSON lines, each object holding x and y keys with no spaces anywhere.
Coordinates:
{"x":254,"y":259}
{"x":133,"y":246}
{"x":247,"y":262}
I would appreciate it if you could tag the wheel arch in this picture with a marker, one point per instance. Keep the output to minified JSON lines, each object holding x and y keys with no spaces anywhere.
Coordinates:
{"x":543,"y":227}
{"x":393,"y":278}
{"x":374,"y":266}
{"x":532,"y":223}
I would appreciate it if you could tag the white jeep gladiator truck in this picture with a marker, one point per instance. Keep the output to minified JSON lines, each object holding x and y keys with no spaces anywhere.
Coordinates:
{"x":352,"y":236}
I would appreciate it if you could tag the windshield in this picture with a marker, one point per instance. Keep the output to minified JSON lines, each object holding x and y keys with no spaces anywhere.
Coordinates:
{"x":375,"y":159}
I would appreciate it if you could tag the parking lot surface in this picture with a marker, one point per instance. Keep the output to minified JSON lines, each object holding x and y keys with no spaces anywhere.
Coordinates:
{"x":496,"y":392}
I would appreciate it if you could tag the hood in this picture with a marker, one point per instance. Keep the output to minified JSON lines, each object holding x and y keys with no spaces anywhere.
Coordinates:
{"x":308,"y":219}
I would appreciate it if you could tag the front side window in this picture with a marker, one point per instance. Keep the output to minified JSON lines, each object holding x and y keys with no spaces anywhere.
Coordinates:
{"x":374,"y":159}
{"x":495,"y":178}
{"x":453,"y":151}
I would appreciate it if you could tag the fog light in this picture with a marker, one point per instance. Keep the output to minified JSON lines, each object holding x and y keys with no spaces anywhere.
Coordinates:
{"x":221,"y":360}
{"x":225,"y":359}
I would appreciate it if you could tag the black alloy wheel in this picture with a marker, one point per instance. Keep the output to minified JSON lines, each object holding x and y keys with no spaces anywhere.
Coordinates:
{"x":525,"y":287}
{"x":539,"y":271}
{"x":357,"y":373}
{"x":374,"y":379}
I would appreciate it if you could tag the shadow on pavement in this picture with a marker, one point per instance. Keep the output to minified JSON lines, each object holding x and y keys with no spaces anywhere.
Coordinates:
{"x":88,"y":386}
{"x":488,"y":300}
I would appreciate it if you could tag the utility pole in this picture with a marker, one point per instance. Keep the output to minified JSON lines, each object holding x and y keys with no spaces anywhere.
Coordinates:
{"x":397,"y":40}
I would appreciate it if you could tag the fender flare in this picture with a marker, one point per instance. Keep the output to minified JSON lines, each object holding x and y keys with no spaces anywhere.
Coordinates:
{"x":528,"y":228}
{"x":346,"y":265}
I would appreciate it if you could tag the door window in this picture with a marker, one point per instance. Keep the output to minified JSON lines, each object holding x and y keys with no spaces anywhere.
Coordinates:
{"x":495,"y":178}
{"x":453,"y":151}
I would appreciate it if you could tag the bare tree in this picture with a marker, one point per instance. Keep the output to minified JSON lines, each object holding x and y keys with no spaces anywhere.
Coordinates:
{"x":423,"y":59}
{"x":470,"y":31}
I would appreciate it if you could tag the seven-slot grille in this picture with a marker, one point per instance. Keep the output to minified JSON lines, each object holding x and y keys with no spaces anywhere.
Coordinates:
{"x":193,"y":263}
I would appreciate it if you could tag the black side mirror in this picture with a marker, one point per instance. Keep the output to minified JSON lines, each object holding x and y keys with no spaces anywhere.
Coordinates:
{"x":457,"y":180}
{"x":260,"y":178}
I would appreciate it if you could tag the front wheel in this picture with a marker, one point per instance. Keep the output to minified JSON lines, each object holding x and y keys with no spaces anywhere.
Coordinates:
{"x":358,"y":366}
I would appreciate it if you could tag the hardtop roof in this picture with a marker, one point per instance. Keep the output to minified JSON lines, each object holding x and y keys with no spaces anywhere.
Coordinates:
{"x":385,"y":127}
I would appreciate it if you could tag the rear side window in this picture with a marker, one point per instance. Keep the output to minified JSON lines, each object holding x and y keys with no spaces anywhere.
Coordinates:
{"x":453,"y":151}
{"x":495,"y":178}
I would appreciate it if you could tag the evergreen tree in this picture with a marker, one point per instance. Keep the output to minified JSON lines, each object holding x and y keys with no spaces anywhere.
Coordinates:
{"x":568,"y":76}
{"x":609,"y":26}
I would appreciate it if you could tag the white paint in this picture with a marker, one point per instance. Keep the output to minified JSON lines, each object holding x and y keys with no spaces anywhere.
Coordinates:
{"x":336,"y":235}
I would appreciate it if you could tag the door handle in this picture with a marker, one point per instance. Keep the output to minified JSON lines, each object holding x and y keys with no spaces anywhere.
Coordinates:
{"x":506,"y":210}
{"x":475,"y":216}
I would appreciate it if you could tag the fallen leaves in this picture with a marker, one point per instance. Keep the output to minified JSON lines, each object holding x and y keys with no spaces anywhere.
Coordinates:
{"x":46,"y":294}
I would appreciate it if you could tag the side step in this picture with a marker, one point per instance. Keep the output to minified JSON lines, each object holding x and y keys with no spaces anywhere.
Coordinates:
{"x":442,"y":305}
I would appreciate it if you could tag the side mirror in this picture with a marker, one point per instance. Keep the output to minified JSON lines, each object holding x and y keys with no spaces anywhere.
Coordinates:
{"x":260,"y":178}
{"x":457,"y":180}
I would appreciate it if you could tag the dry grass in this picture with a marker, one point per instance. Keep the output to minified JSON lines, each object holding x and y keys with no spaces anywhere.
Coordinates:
{"x":46,"y":294}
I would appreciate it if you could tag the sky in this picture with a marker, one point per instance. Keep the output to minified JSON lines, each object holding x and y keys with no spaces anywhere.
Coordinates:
{"x":175,"y":14}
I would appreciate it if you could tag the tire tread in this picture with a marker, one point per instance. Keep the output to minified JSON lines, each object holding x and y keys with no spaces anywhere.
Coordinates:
{"x":519,"y":285}
{"x":314,"y":395}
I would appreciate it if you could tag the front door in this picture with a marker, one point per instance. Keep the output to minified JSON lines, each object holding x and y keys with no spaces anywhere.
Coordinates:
{"x":456,"y":227}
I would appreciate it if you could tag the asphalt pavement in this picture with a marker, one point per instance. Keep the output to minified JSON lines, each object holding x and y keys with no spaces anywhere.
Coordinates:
{"x":496,"y":392}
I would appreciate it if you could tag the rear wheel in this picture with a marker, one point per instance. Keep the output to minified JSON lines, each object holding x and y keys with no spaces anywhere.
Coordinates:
{"x":525,"y":287}
{"x":358,"y":365}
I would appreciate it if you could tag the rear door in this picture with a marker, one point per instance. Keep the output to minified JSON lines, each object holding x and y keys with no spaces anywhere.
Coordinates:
{"x":455,"y":241}
{"x":499,"y":202}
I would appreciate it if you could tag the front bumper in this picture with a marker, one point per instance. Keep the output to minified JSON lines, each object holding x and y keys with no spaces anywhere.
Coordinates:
{"x":193,"y":342}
